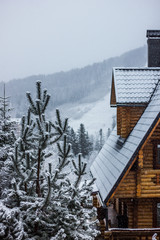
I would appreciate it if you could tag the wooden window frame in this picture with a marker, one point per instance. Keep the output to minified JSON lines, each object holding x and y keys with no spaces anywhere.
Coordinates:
{"x":156,"y":165}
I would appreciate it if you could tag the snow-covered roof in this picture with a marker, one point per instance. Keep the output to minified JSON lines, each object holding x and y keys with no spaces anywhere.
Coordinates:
{"x":117,"y":154}
{"x":134,"y":85}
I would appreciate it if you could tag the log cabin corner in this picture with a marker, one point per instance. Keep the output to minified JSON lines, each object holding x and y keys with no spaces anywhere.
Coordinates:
{"x":127,"y":169}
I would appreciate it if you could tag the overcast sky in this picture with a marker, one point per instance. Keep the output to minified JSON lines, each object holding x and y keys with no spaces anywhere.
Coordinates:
{"x":46,"y":36}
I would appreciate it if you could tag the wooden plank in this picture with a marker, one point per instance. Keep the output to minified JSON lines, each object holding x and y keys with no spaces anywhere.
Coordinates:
{"x":151,"y":195}
{"x":113,"y":93}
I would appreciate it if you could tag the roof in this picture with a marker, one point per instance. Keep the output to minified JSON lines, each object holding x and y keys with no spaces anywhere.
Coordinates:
{"x":117,"y":154}
{"x":134,"y":85}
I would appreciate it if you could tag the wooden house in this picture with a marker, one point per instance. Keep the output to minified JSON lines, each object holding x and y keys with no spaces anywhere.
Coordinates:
{"x":127,"y":169}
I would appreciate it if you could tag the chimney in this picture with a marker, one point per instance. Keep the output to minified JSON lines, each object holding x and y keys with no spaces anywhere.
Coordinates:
{"x":153,"y":48}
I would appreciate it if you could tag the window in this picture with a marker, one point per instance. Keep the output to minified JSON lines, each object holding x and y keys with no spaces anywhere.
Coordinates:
{"x":156,"y":154}
{"x":158,"y":214}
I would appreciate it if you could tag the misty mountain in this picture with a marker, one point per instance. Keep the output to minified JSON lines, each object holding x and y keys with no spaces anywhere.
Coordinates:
{"x":83,"y":85}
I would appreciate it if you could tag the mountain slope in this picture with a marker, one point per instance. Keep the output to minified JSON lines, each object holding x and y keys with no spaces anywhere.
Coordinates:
{"x":94,"y":116}
{"x":79,"y":85}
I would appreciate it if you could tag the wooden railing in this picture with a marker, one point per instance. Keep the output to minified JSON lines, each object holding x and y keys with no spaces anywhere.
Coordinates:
{"x":132,"y":234}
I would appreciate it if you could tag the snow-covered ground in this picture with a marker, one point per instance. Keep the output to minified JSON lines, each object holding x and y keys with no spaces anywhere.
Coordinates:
{"x":93,"y":115}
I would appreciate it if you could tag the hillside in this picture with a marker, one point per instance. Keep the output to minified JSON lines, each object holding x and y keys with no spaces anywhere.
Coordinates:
{"x":85,"y":85}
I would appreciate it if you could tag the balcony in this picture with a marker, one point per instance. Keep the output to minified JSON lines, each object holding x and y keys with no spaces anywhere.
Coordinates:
{"x":132,"y":234}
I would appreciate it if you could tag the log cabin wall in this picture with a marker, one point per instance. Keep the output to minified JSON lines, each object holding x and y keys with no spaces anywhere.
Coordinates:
{"x":127,"y":118}
{"x":140,"y":213}
{"x":141,"y":187}
{"x":156,"y":133}
{"x":150,"y":184}
{"x":150,"y":176}
{"x":145,"y":213}
{"x":130,"y":209}
{"x":128,"y":187}
{"x":148,"y":156}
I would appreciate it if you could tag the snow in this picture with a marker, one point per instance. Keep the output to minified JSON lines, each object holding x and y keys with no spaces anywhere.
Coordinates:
{"x":94,"y":115}
{"x":135,"y":85}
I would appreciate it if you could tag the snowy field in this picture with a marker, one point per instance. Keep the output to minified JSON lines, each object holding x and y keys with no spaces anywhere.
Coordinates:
{"x":93,"y":115}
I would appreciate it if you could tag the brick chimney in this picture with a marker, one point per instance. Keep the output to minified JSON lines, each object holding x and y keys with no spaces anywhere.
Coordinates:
{"x":153,"y":48}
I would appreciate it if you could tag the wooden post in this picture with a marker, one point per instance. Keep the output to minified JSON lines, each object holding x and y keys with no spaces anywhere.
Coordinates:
{"x":135,"y":213}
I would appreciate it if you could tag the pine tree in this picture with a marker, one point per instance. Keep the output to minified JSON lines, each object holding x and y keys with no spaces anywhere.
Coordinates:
{"x":11,"y":226}
{"x":108,"y":132}
{"x":101,"y":138}
{"x":6,"y":125}
{"x":72,"y":138}
{"x":85,"y":145}
{"x":113,"y":121}
{"x":74,"y":217}
{"x":7,"y":139}
{"x":48,"y":204}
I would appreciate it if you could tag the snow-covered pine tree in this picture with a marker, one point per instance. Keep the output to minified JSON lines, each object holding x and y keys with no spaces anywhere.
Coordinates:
{"x":84,"y":143}
{"x":7,"y":139}
{"x":11,"y":226}
{"x":6,"y":125}
{"x":49,"y":204}
{"x":36,"y":136}
{"x":113,"y":121}
{"x":108,"y":132}
{"x":31,"y":149}
{"x":72,"y":138}
{"x":74,"y":221}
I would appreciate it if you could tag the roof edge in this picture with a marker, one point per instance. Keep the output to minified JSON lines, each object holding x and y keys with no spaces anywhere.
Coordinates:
{"x":143,"y":104}
{"x":113,"y":95}
{"x":136,"y":68}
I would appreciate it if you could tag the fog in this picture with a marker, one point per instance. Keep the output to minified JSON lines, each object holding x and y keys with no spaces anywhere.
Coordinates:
{"x":47,"y":36}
